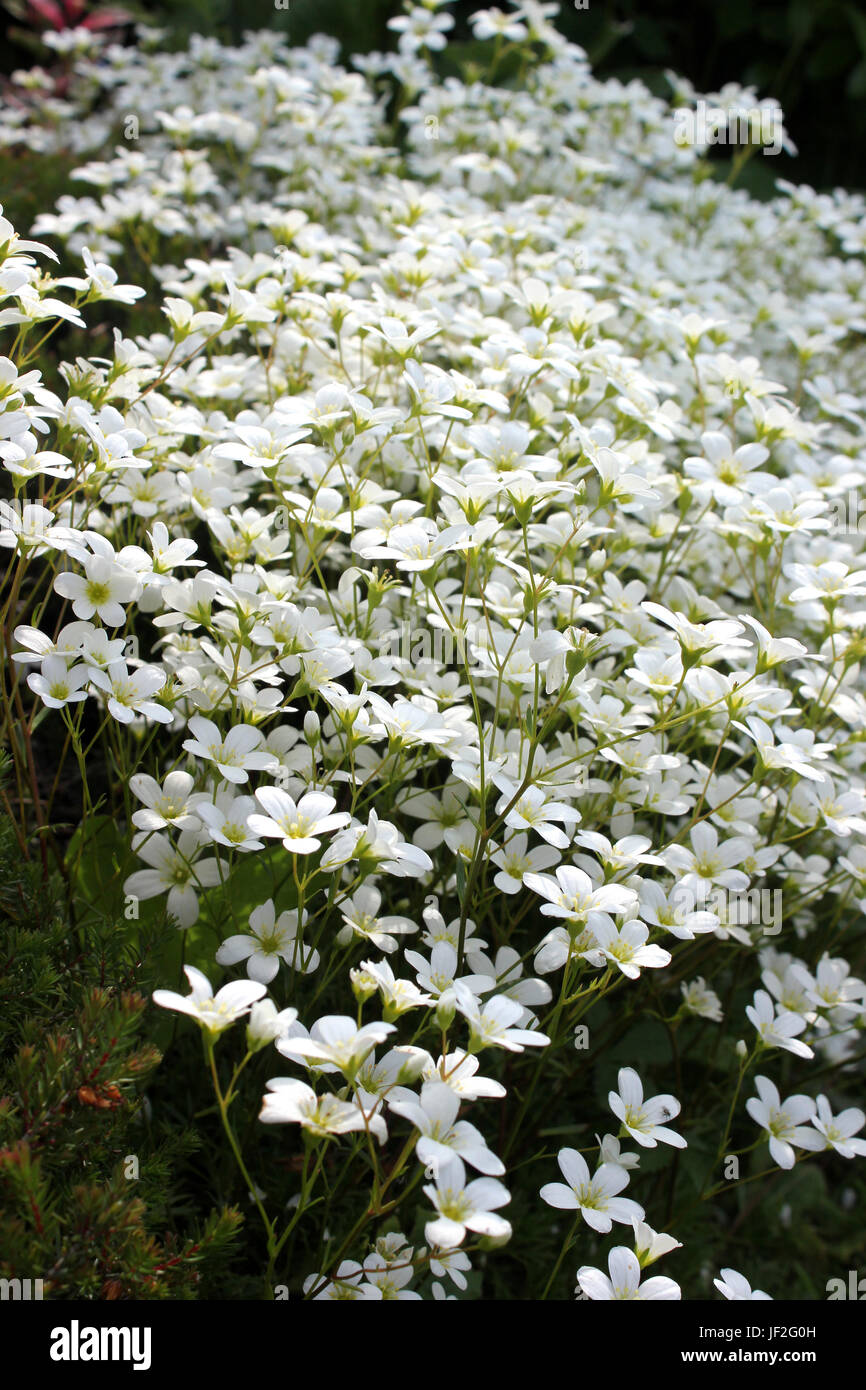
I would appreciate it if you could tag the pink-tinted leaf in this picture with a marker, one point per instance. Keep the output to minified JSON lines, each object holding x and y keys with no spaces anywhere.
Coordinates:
{"x":48,"y":12}
{"x":107,"y":19}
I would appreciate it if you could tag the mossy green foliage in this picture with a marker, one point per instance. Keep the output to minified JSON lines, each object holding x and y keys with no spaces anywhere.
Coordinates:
{"x":87,"y":1196}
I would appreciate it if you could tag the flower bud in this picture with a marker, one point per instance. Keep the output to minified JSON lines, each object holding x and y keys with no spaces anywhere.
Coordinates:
{"x":265,"y":1024}
{"x":363,"y":985}
{"x":494,"y":1242}
{"x":446,"y":1007}
{"x":413,"y":1060}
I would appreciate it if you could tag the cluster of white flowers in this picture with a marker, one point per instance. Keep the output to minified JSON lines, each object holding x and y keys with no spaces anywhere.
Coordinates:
{"x":485,"y":505}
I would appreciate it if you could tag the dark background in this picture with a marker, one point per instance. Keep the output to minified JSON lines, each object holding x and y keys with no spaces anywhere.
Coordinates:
{"x":810,"y":54}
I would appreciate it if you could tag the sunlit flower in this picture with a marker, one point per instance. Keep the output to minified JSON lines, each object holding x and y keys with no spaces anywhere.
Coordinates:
{"x":214,"y":1012}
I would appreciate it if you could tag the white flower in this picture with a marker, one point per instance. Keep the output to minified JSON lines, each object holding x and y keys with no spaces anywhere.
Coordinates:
{"x":515,"y":860}
{"x":174,"y":870}
{"x":417,"y":547}
{"x":773,"y":650}
{"x":644,"y":1120}
{"x":593,"y":1195}
{"x":399,"y":995}
{"x":441,"y":1134}
{"x":573,"y":895}
{"x":489,"y":24}
{"x":361,"y":915}
{"x":724,"y":472}
{"x":346,"y":1286}
{"x":491,"y":1025}
{"x":128,"y":693}
{"x":265,"y":1023}
{"x":626,"y":948}
{"x":226,"y":818}
{"x":391,"y":1277}
{"x":838,"y":1130}
{"x":297,"y":825}
{"x":235,"y":756}
{"x":165,"y":805}
{"x":609,"y":1151}
{"x":336,"y":1043}
{"x":701,"y":1001}
{"x":828,"y":581}
{"x":379,"y":842}
{"x":777,"y":1029}
{"x":736,"y":1287}
{"x":505,"y":971}
{"x":624,"y":1280}
{"x":439,"y":973}
{"x":29,"y":528}
{"x":57,"y":684}
{"x":272,"y":939}
{"x":454,"y":1263}
{"x":783,"y":1121}
{"x":790,"y":754}
{"x":101,"y":283}
{"x":214,"y":1013}
{"x":710,"y":862}
{"x":675,"y":912}
{"x":697,"y":639}
{"x":459,"y":1070}
{"x":463,"y":1207}
{"x":290,"y":1101}
{"x":532,"y":811}
{"x":23,"y":460}
{"x":833,"y":987}
{"x":649,"y":1245}
{"x":104,"y":589}
{"x":421,"y":29}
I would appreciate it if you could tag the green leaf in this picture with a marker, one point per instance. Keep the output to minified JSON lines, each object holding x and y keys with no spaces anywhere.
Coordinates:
{"x":98,"y":860}
{"x":832,"y":56}
{"x":856,"y":84}
{"x":802,"y":15}
{"x":461,"y":879}
{"x":858,"y":24}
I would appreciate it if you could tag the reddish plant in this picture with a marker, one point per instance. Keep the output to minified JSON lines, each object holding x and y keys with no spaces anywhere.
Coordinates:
{"x":58,"y":15}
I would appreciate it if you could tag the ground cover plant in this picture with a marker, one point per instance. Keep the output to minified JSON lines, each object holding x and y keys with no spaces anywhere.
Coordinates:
{"x":433,"y":605}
